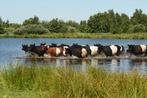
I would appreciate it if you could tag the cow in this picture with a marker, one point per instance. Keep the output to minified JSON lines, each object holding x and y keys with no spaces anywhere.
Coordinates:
{"x":54,"y":50}
{"x":137,"y":50}
{"x":112,"y":50}
{"x":25,"y":48}
{"x":95,"y":49}
{"x":39,"y":50}
{"x":78,"y":51}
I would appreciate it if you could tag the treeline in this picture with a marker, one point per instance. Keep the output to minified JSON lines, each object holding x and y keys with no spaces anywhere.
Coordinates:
{"x":106,"y":22}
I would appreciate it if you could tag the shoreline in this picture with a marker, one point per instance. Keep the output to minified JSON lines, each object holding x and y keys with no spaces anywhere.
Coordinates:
{"x":80,"y":35}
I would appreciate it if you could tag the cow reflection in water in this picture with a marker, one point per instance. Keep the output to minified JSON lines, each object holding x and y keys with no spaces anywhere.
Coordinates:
{"x":55,"y":61}
{"x":40,"y":61}
{"x":135,"y":62}
{"x":78,"y":64}
{"x":108,"y":61}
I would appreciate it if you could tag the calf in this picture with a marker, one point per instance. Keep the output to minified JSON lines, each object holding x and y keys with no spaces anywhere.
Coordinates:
{"x":112,"y":50}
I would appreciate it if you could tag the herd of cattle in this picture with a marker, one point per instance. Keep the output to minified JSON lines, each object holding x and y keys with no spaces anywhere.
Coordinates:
{"x":82,"y":51}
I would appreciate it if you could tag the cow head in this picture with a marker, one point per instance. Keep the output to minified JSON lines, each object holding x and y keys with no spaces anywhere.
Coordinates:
{"x":25,"y":48}
{"x":100,"y":48}
{"x":130,"y":48}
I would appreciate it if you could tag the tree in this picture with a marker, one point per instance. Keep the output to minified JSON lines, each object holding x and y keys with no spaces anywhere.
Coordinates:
{"x":136,"y":18}
{"x":136,"y":28}
{"x":34,"y":20}
{"x":57,"y":26}
{"x":1,"y":22}
{"x":139,"y":18}
{"x":72,"y":24}
{"x":84,"y":28}
{"x":102,"y":22}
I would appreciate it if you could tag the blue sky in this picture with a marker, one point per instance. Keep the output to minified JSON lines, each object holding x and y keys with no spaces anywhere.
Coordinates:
{"x":19,"y":10}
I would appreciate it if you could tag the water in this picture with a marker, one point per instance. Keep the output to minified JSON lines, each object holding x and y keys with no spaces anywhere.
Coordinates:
{"x":10,"y":48}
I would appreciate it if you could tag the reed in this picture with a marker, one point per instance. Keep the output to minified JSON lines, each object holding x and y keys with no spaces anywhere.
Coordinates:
{"x":45,"y":82}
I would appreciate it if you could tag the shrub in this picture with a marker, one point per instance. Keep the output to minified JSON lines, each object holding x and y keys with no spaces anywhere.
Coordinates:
{"x":72,"y":29}
{"x":32,"y":29}
{"x":2,"y":30}
{"x":136,"y":28}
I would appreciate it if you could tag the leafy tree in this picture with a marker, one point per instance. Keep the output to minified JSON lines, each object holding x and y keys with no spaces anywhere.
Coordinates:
{"x":84,"y":28}
{"x":45,"y":24}
{"x":57,"y":26}
{"x":1,"y":22}
{"x":136,"y":18}
{"x":34,"y":20}
{"x":125,"y":22}
{"x":139,"y":18}
{"x":72,"y":24}
{"x":136,"y":28}
{"x":102,"y":22}
{"x":2,"y":30}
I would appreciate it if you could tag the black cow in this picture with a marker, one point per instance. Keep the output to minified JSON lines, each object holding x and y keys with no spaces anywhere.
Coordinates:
{"x":39,"y":50}
{"x":78,"y":51}
{"x":112,"y":50}
{"x":25,"y":48}
{"x":137,"y":49}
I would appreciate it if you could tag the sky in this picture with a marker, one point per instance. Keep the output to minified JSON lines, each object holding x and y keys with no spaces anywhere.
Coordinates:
{"x":16,"y":11}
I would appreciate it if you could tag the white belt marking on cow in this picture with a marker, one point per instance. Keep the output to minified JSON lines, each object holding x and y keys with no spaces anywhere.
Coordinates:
{"x":64,"y":50}
{"x":143,"y":47}
{"x":113,"y":49}
{"x":57,"y":51}
{"x":84,"y":52}
{"x":121,"y":48}
{"x":94,"y":50}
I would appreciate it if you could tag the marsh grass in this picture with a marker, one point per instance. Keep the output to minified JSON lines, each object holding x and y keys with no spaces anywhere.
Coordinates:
{"x":79,"y":35}
{"x":46,"y":82}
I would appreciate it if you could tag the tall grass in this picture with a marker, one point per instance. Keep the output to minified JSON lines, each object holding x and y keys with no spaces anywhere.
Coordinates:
{"x":79,"y":35}
{"x":45,"y":82}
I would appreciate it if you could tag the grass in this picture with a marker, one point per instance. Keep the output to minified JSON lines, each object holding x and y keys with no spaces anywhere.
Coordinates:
{"x":79,"y":35}
{"x":46,"y":82}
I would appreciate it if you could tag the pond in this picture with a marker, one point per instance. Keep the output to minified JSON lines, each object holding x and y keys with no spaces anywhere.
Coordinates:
{"x":10,"y":49}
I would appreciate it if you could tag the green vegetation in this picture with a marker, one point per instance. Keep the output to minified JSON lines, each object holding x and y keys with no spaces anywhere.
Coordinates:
{"x":79,"y":35}
{"x":108,"y":23}
{"x":46,"y":82}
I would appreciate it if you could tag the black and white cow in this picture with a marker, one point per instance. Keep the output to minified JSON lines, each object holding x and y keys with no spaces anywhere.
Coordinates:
{"x":78,"y":51}
{"x":137,"y":49}
{"x":112,"y":50}
{"x":65,"y":47}
{"x":95,"y":49}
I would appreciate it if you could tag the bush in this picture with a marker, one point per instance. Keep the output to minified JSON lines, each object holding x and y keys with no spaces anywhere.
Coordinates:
{"x":136,"y":28}
{"x":57,"y":26}
{"x":2,"y":30}
{"x":72,"y":29}
{"x":32,"y":29}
